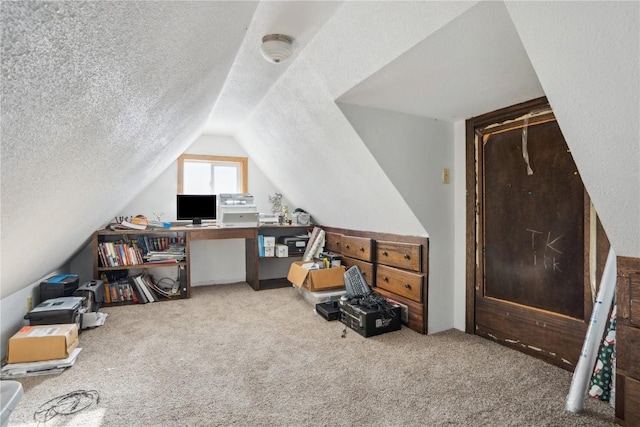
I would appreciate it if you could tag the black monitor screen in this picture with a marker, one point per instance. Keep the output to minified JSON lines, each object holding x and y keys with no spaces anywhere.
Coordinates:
{"x":196,"y":207}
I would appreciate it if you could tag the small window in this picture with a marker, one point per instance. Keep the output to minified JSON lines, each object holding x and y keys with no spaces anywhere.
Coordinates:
{"x":199,"y":174}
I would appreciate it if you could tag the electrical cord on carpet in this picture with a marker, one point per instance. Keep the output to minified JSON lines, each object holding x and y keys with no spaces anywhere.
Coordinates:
{"x":66,"y":404}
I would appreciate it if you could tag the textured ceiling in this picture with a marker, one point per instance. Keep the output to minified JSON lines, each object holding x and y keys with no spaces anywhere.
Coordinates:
{"x":97,"y":99}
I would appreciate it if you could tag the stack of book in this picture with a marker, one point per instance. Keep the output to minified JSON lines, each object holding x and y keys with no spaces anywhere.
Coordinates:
{"x":171,"y":255}
{"x":147,"y":291}
{"x":142,"y":250}
{"x":138,"y":289}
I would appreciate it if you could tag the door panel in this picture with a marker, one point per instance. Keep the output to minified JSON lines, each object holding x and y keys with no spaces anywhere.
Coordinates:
{"x":529,"y":236}
{"x":533,"y":222}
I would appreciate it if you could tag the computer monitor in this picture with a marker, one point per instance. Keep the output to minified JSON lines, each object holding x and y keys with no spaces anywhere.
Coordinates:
{"x":196,"y":207}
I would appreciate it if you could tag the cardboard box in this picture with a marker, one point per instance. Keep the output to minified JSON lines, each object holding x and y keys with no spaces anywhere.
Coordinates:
{"x":269,"y":241}
{"x":45,"y":342}
{"x":269,"y":251}
{"x":315,"y":280}
{"x":282,"y":251}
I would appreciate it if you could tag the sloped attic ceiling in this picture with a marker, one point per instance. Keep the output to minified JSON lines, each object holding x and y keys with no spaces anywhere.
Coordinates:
{"x":452,"y":61}
{"x":97,"y":99}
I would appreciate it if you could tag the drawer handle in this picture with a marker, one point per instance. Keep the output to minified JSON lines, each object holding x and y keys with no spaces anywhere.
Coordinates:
{"x":385,"y":278}
{"x":361,"y":249}
{"x":406,"y":256}
{"x":385,"y":253}
{"x":346,"y":246}
{"x":408,"y":286}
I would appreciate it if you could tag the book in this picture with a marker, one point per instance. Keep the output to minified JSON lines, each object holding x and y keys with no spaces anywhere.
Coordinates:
{"x":142,"y":299}
{"x":158,"y":292}
{"x":159,"y":224}
{"x":107,"y":294}
{"x":260,"y":245}
{"x":133,"y":226}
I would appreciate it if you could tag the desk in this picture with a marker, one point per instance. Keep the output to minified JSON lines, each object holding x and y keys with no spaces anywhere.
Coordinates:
{"x":250,"y":236}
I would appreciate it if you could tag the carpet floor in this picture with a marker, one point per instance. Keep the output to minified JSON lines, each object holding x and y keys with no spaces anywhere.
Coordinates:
{"x":233,"y":356}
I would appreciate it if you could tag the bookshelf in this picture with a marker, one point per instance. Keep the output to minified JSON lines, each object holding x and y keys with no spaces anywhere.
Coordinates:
{"x":261,"y":272}
{"x":122,"y":254}
{"x":273,"y":270}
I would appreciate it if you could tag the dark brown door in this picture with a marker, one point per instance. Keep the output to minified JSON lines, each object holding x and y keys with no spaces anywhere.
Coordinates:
{"x":529,"y":235}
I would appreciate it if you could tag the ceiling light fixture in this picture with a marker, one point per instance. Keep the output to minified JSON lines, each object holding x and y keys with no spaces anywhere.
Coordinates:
{"x":276,"y":47}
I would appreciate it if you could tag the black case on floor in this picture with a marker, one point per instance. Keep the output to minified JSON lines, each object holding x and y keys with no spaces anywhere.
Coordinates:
{"x":62,"y":285}
{"x":93,"y":291}
{"x":369,"y":322}
{"x":329,"y":310}
{"x":55,"y":311}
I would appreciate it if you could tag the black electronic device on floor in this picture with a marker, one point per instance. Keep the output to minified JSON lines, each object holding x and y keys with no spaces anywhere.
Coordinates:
{"x":54,"y":311}
{"x":62,"y":285}
{"x":93,"y":292}
{"x":370,"y":314}
{"x":329,"y":310}
{"x":369,"y":322}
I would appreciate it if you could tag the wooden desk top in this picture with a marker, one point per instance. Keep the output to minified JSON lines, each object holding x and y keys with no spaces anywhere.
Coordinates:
{"x":205,"y":232}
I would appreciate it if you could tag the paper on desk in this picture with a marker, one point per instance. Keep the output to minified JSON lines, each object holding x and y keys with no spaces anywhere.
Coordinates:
{"x":29,"y":369}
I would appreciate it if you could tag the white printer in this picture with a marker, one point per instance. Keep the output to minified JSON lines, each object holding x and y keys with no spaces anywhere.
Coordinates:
{"x":236,"y":210}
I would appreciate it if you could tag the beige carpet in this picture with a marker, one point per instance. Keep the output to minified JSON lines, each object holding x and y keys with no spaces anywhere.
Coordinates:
{"x":233,"y":356}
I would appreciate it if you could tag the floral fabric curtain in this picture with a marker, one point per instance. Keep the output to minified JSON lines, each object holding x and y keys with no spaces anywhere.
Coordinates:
{"x":603,"y":378}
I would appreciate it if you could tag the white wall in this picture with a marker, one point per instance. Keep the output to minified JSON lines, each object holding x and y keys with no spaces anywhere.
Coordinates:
{"x":586,"y":55}
{"x":212,"y":261}
{"x":412,"y":151}
{"x":459,"y":181}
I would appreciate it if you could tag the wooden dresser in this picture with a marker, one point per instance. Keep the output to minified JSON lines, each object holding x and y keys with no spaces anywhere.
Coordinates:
{"x":396,"y":266}
{"x":628,"y":342}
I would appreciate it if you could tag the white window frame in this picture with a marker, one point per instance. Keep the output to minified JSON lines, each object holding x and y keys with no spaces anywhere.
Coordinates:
{"x":239,"y":162}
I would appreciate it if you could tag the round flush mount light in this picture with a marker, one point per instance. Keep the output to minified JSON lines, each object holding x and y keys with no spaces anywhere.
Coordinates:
{"x":276,"y":47}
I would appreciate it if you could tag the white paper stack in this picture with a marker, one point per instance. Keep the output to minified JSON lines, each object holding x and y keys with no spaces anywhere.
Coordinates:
{"x":46,"y":367}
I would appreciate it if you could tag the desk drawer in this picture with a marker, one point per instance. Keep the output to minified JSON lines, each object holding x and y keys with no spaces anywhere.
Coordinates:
{"x":400,"y":282}
{"x":395,"y":254}
{"x":333,"y":242}
{"x":357,"y":247}
{"x":366,"y":267}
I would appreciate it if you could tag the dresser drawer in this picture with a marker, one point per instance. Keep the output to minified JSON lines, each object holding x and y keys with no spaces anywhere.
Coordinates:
{"x":630,"y":408}
{"x":333,"y":242}
{"x":416,"y":311}
{"x":629,"y":298}
{"x":367,"y":268}
{"x":357,"y":247}
{"x":403,"y":255}
{"x":400,"y":282}
{"x":628,"y":350}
